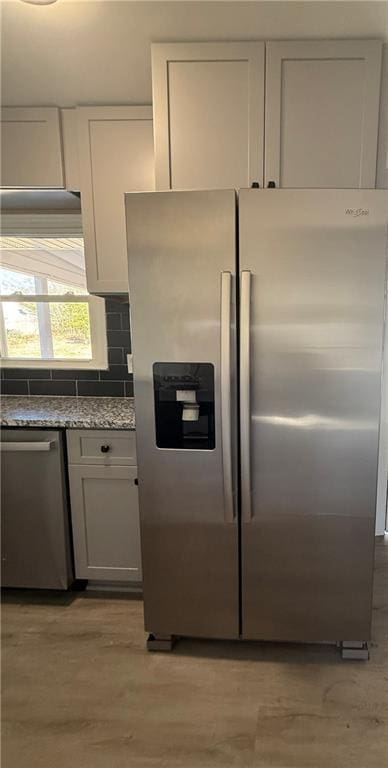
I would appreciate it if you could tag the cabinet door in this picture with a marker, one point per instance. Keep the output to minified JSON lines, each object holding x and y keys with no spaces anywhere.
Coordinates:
{"x":116,"y":156}
{"x":31,"y":153}
{"x":105,"y":520}
{"x":322,"y":107}
{"x":208,"y":101}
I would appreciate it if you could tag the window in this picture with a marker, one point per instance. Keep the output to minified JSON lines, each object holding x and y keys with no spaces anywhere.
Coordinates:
{"x":47,"y":317}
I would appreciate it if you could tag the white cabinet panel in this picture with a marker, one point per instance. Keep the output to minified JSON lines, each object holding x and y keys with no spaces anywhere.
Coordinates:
{"x":322,"y":106}
{"x":105,"y":520}
{"x":208,"y":101}
{"x":70,"y":148}
{"x":95,"y":446}
{"x":116,"y":156}
{"x":31,"y":152}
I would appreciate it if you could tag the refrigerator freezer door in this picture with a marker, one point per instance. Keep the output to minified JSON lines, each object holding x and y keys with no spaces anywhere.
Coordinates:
{"x":317,"y":264}
{"x":180,"y":246}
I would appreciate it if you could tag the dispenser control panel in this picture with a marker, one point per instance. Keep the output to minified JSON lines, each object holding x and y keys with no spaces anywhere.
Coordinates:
{"x":184,"y":405}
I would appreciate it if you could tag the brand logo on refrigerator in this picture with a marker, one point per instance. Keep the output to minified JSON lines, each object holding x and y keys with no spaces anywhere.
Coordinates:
{"x":356,"y":212}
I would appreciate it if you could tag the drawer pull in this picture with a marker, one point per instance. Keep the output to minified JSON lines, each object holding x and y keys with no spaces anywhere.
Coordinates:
{"x":105,"y":448}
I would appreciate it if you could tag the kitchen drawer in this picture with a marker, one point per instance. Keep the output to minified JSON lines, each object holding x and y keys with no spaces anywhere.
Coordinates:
{"x":101,"y":446}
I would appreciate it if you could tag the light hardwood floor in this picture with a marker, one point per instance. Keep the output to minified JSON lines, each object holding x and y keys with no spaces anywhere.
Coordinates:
{"x":80,"y":691}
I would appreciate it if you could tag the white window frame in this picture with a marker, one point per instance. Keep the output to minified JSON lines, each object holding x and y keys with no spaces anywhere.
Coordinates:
{"x":99,"y":359}
{"x":54,"y":225}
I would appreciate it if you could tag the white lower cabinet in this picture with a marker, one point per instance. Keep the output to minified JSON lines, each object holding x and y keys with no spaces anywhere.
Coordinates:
{"x":105,"y":516}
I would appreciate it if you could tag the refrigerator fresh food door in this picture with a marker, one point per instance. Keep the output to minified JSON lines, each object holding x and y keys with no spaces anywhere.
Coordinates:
{"x":312,"y":307}
{"x":182,"y":254}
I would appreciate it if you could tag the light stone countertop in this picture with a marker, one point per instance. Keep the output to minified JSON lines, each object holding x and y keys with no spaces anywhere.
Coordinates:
{"x":67,"y":412}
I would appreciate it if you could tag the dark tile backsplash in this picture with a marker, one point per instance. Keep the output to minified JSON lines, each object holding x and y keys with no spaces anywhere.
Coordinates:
{"x":114,"y":382}
{"x":44,"y":387}
{"x":14,"y":387}
{"x":101,"y":388}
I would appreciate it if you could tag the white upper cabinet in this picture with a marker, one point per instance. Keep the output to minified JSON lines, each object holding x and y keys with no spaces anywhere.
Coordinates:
{"x":208,"y":101}
{"x":70,"y":148}
{"x":31,"y":152}
{"x":322,"y":108}
{"x":116,"y":155}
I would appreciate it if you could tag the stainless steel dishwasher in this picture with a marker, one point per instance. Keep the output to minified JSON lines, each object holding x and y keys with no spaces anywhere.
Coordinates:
{"x":36,"y":550}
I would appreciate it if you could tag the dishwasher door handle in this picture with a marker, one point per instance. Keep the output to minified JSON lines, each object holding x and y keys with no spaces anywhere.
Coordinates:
{"x":45,"y":445}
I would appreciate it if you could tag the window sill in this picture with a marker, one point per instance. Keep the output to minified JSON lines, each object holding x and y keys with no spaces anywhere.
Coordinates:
{"x":71,"y":365}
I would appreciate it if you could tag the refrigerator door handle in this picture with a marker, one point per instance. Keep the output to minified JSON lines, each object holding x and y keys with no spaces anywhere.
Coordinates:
{"x":226,"y":424}
{"x":245,"y":448}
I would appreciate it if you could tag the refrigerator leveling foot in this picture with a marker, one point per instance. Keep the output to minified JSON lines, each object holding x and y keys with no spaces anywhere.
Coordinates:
{"x":354,"y":649}
{"x":160,"y":642}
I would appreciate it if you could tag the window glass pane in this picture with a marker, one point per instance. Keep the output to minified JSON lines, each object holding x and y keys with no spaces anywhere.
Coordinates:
{"x":41,"y":330}
{"x":59,"y":260}
{"x":22,"y":329}
{"x":15,"y":282}
{"x":38,"y":332}
{"x":61,"y":288}
{"x":70,"y":325}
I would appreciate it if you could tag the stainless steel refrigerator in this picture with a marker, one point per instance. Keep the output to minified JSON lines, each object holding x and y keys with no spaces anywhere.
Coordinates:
{"x":257,"y":330}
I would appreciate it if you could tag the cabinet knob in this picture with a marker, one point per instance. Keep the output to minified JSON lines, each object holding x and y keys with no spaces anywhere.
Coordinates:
{"x":105,"y":448}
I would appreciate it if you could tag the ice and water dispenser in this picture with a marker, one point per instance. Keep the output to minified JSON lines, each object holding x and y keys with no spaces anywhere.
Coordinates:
{"x":184,"y":405}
